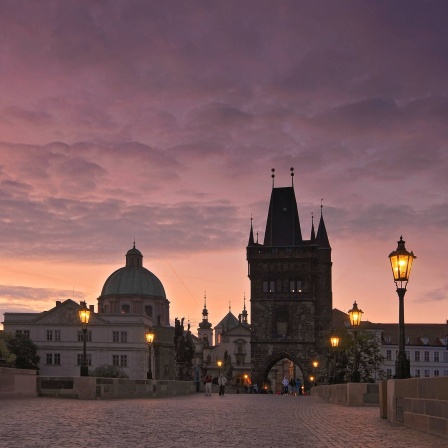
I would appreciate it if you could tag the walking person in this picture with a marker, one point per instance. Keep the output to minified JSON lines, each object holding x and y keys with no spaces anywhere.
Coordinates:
{"x":222,"y":380}
{"x":208,"y":385}
{"x":285,"y":384}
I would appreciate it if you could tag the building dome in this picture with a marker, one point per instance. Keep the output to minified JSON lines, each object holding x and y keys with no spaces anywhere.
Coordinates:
{"x":133,"y":281}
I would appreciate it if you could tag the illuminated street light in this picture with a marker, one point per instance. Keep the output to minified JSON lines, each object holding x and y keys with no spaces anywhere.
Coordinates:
{"x":401,"y":262}
{"x":355,"y":321}
{"x":334,"y":340}
{"x":150,"y":339}
{"x":84,"y":316}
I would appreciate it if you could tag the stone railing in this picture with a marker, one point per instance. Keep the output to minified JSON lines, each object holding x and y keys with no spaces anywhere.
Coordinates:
{"x":92,"y":388}
{"x":17,"y":383}
{"x":418,"y":403}
{"x":350,"y":394}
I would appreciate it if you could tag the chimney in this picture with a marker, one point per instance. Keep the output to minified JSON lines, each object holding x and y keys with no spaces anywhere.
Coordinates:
{"x":58,"y":302}
{"x":92,"y":308}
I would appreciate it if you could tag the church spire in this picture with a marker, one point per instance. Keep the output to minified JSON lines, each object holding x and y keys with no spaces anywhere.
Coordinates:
{"x":205,"y":323}
{"x":244,"y":313}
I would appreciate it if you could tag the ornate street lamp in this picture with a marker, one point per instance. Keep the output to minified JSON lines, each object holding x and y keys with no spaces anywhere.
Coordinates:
{"x":334,"y":340}
{"x":315,"y":364}
{"x":149,"y":339}
{"x":219,"y":362}
{"x":401,"y":262}
{"x":84,"y":316}
{"x":355,"y":321}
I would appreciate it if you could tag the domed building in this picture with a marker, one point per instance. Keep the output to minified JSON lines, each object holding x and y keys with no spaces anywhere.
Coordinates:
{"x":132,"y":303}
{"x":134,"y":289}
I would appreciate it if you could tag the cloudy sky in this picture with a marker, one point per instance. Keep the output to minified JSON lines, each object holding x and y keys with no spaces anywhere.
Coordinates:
{"x":161,"y":121}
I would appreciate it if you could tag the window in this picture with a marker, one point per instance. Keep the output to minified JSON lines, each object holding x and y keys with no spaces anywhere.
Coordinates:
{"x":387,"y":339}
{"x":124,"y":336}
{"x":408,"y":354}
{"x":389,"y":354}
{"x":417,"y":355}
{"x":445,"y":373}
{"x":49,"y":336}
{"x":426,"y":373}
{"x":271,"y":286}
{"x":81,"y":336}
{"x":436,"y":356}
{"x":436,"y":373}
{"x":123,"y":360}
{"x":148,"y":310}
{"x":115,"y":360}
{"x":265,"y":286}
{"x":295,"y":286}
{"x":79,"y":359}
{"x":57,"y":335}
{"x":24,"y":332}
{"x":389,"y":373}
{"x":49,"y":359}
{"x":115,"y":336}
{"x":445,"y":356}
{"x":417,"y":373}
{"x":57,"y":359}
{"x":125,"y":309}
{"x":426,"y":356}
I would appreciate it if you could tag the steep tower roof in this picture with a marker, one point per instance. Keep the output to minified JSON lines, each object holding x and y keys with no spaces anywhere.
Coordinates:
{"x":251,"y":234}
{"x":205,"y":323}
{"x":313,"y":235}
{"x":283,"y":225}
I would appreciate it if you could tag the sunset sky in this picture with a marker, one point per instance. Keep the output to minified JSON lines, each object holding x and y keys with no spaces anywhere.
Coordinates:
{"x":160,"y":120}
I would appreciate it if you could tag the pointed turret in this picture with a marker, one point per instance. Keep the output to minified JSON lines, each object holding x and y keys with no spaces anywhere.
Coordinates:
{"x":205,"y":332}
{"x":251,"y":234}
{"x":313,"y":235}
{"x":322,"y":237}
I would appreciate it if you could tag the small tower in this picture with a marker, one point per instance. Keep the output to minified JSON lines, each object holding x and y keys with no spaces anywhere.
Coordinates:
{"x":205,"y":331}
{"x":244,"y":313}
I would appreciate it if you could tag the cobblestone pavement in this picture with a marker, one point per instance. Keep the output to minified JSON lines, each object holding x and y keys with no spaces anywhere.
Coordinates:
{"x":262,"y":421}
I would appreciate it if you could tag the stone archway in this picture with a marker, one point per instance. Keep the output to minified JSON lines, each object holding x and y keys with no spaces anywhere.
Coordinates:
{"x":274,"y":359}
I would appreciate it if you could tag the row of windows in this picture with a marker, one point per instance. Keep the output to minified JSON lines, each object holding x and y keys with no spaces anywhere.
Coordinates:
{"x":426,"y":373}
{"x":417,"y":356}
{"x":54,"y":359}
{"x":55,"y":335}
{"x":126,"y":309}
{"x":388,"y":340}
{"x":287,"y":286}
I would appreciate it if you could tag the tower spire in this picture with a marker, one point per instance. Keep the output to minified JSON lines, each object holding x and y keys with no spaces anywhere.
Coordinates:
{"x":273,"y":176}
{"x":292,"y":176}
{"x":313,"y":234}
{"x":322,"y":237}
{"x":251,"y":234}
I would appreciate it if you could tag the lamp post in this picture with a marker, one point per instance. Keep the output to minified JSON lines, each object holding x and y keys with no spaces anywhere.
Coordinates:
{"x":149,"y":339}
{"x":84,"y":316}
{"x":355,"y":321}
{"x":401,"y":262}
{"x":315,"y":364}
{"x":219,"y":363}
{"x":334,"y":340}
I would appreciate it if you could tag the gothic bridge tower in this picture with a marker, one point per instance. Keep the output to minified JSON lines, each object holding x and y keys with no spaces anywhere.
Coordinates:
{"x":291,"y":295}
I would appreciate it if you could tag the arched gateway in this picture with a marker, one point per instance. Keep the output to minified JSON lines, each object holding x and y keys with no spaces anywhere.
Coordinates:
{"x":291,"y":296}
